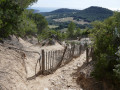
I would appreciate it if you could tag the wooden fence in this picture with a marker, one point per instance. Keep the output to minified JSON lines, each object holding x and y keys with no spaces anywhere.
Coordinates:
{"x":52,"y":60}
{"x":89,"y":54}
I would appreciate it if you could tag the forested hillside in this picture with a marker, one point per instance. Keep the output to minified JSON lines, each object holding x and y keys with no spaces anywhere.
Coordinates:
{"x":90,"y":14}
{"x":64,"y":10}
{"x":93,"y":13}
{"x":87,"y":15}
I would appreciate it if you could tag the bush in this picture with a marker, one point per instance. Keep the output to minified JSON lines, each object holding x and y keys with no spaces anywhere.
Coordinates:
{"x":10,"y":15}
{"x":26,"y":27}
{"x":106,"y":42}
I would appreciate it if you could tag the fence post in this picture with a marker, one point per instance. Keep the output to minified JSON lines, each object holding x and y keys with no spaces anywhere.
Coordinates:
{"x":93,"y":57}
{"x":46,"y":60}
{"x":80,"y":50}
{"x":91,"y":52}
{"x":73,"y":50}
{"x":87,"y":59}
{"x":50,"y":58}
{"x":53,"y":59}
{"x":43,"y":61}
{"x":62,"y":57}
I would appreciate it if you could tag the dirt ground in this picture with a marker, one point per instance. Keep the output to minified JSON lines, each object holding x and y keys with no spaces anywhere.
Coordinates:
{"x":62,"y":79}
{"x":15,"y":68}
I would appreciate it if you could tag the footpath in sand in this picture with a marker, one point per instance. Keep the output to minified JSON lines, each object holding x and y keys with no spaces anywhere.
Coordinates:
{"x":62,"y":79}
{"x":14,"y":70}
{"x":65,"y":78}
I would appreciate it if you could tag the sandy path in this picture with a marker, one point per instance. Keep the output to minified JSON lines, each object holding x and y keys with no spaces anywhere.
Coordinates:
{"x":31,"y":47}
{"x":31,"y":58}
{"x":62,"y":79}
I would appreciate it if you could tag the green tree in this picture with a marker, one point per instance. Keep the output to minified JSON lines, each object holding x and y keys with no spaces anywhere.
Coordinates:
{"x":78,"y":32}
{"x":26,"y":27}
{"x":10,"y":12}
{"x":106,"y":43}
{"x":71,"y":28}
{"x":39,"y":20}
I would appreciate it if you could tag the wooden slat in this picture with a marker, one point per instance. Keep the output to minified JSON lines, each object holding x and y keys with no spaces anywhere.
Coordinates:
{"x":46,"y":60}
{"x":53,"y":59}
{"x":43,"y":61}
{"x":80,"y":50}
{"x":50,"y":59}
{"x":62,"y":57}
{"x":87,"y":58}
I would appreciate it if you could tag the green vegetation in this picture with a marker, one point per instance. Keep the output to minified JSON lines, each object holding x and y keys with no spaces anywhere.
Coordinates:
{"x":10,"y":15}
{"x":15,"y":19}
{"x":81,"y":18}
{"x":74,"y":32}
{"x":26,"y":26}
{"x":93,"y":13}
{"x":78,"y":32}
{"x":106,"y":42}
{"x":90,"y":14}
{"x":71,"y":28}
{"x":39,"y":21}
{"x":47,"y":35}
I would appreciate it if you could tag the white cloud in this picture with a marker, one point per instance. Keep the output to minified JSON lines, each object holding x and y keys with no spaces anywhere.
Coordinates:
{"x":78,"y":4}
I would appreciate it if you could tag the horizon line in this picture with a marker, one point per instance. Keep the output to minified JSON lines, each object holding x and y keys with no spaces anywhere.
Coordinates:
{"x":113,"y":9}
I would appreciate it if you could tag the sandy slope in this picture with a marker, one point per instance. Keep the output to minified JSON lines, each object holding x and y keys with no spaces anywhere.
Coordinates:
{"x":62,"y":79}
{"x":12,"y":70}
{"x":31,"y":58}
{"x":15,"y":69}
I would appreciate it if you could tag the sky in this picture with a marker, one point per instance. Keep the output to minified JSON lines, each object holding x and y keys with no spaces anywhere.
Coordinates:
{"x":77,"y":4}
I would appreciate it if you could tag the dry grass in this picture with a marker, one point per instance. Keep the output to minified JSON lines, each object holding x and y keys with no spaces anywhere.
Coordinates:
{"x":71,"y":19}
{"x":52,"y":26}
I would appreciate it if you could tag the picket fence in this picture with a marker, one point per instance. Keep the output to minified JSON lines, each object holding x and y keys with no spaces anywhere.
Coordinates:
{"x":50,"y":61}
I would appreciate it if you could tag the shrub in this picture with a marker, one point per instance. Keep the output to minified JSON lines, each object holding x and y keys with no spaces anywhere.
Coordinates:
{"x":106,"y":42}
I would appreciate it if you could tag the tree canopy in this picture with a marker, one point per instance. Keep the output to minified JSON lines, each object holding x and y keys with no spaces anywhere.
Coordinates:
{"x":71,"y":28}
{"x":10,"y":15}
{"x":106,"y":42}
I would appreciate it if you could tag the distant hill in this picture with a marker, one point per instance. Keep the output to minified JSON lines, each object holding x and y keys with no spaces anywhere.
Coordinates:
{"x":34,"y":10}
{"x":93,"y":13}
{"x":43,"y":9}
{"x":90,"y":14}
{"x":60,"y":17}
{"x":64,"y":10}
